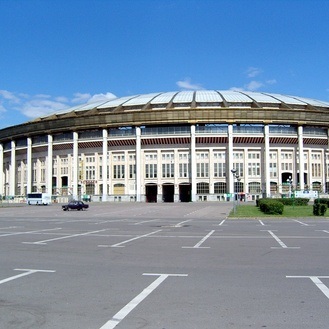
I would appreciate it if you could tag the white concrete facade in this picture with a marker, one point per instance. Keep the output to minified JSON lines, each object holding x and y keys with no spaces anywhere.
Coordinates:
{"x":145,"y":171}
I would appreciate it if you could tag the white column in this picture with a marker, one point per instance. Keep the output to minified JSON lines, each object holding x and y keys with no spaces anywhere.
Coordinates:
{"x":29,"y":166}
{"x":323,"y":170}
{"x":138,"y":164}
{"x":230,"y":159}
{"x":2,"y":182}
{"x":301,"y":157}
{"x":267,"y":161}
{"x":75,"y":165}
{"x":12,"y":172}
{"x":309,"y":168}
{"x":49,"y":183}
{"x":193,"y":164}
{"x":104,"y":165}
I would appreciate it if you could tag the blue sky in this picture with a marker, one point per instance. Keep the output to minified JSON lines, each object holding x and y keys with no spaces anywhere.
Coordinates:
{"x":57,"y":54}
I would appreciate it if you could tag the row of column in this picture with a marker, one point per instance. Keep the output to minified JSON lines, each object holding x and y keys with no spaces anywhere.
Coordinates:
{"x":12,"y":169}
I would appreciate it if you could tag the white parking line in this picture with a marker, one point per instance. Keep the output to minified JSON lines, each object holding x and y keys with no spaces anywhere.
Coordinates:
{"x":64,"y":237}
{"x":28,"y":272}
{"x":145,"y":221}
{"x":280,"y":242}
{"x":325,"y":231}
{"x":5,"y":228}
{"x":30,"y":232}
{"x":123,"y":242}
{"x":297,"y":221}
{"x":118,"y":317}
{"x":261,"y":223}
{"x":180,"y":224}
{"x":198,"y":245}
{"x":221,"y":223}
{"x":316,"y":281}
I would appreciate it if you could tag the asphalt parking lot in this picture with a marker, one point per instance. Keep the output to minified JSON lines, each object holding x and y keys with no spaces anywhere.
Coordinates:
{"x":160,"y":266}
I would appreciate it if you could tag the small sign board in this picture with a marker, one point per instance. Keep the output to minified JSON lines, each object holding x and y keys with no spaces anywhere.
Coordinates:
{"x":306,"y":194}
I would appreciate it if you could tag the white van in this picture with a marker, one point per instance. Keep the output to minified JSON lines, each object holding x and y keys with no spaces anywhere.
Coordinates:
{"x":38,"y":198}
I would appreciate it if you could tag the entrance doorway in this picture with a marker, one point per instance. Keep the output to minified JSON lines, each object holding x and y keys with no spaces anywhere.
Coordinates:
{"x":168,"y":191}
{"x":185,"y":190}
{"x":151,"y":192}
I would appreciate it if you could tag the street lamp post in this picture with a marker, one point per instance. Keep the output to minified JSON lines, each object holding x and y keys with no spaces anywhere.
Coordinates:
{"x":237,"y":177}
{"x":290,"y":181}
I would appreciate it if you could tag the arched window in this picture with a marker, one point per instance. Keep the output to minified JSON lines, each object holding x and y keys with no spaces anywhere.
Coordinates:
{"x":316,"y":186}
{"x":254,"y":188}
{"x":274,"y":187}
{"x":202,"y":188}
{"x":238,"y":187}
{"x":119,"y":189}
{"x":220,"y":188}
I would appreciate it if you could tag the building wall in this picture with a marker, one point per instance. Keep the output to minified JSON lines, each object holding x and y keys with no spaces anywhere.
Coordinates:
{"x":167,"y":160}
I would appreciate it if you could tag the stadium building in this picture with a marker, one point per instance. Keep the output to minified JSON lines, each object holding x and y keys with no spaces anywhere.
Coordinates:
{"x":171,"y":147}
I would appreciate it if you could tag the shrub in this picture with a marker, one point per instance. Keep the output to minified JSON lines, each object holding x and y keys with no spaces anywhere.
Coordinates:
{"x":322,"y":201}
{"x":294,"y":201}
{"x":270,"y":206}
{"x":319,"y":209}
{"x":288,"y":201}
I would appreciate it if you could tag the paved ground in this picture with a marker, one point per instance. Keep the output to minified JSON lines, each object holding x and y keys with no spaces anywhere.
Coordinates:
{"x":160,"y":266}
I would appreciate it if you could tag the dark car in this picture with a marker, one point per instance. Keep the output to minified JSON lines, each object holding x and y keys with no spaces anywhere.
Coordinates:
{"x":76,"y":205}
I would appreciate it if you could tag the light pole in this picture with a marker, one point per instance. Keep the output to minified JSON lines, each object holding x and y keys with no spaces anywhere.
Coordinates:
{"x":235,"y":175}
{"x":289,"y":181}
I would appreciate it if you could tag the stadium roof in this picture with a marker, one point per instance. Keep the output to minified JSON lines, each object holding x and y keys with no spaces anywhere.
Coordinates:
{"x":195,"y":99}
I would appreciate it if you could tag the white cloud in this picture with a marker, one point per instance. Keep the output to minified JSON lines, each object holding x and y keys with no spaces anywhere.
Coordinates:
{"x":43,"y":96}
{"x":80,"y":98}
{"x":187,"y":85}
{"x":254,"y":85}
{"x":33,"y":106}
{"x":252,"y":72}
{"x":9,"y":96}
{"x":237,"y":89}
{"x":101,"y":97}
{"x":61,"y":99}
{"x":2,"y":108}
{"x":271,"y":82}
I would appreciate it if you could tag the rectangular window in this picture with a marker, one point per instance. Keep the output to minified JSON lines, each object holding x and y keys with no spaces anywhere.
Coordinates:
{"x":151,"y":170}
{"x":90,"y":172}
{"x":219,"y":170}
{"x":253,"y":169}
{"x":183,"y":170}
{"x":132,"y":171}
{"x":202,"y":170}
{"x":167,"y":170}
{"x":239,"y":168}
{"x":119,"y":171}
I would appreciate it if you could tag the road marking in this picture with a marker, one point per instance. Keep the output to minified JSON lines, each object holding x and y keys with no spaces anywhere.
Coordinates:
{"x":316,"y":280}
{"x":221,"y":223}
{"x":261,"y":223}
{"x":280,"y":242}
{"x":5,"y":228}
{"x":180,"y":224}
{"x":30,"y":232}
{"x":64,"y":237}
{"x":27,"y":272}
{"x":297,"y":221}
{"x":126,"y":241}
{"x":145,"y":221}
{"x":118,"y":317}
{"x":198,"y":245}
{"x":324,"y":231}
{"x":107,"y":221}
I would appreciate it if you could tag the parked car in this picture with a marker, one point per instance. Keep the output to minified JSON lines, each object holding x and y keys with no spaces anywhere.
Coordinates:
{"x":76,"y":205}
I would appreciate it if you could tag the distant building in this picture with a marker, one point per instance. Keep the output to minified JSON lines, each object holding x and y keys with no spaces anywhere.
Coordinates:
{"x":171,"y":147}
